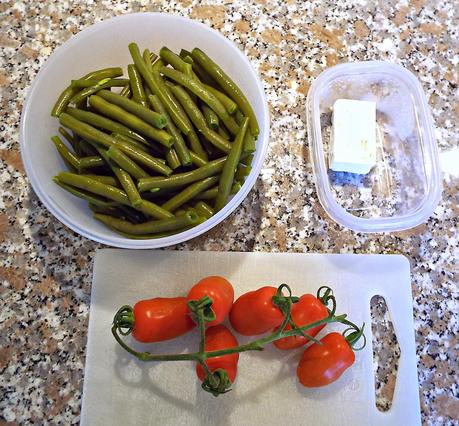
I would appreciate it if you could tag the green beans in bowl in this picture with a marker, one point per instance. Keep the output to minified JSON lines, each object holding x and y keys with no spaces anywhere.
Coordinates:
{"x":151,"y":146}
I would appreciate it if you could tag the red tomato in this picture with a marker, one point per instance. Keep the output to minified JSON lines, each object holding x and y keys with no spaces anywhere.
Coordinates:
{"x":321,"y":365}
{"x":219,"y":337}
{"x":254,"y":312}
{"x":307,"y":310}
{"x":161,"y":319}
{"x":220,"y":291}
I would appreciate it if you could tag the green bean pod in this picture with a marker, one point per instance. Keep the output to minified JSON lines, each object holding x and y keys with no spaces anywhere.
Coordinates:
{"x":84,"y":195}
{"x":180,"y":179}
{"x":202,"y":93}
{"x":65,"y":153}
{"x":211,"y":193}
{"x":91,"y":162}
{"x":151,"y":117}
{"x":199,"y":121}
{"x":69,"y":92}
{"x":249,"y":141}
{"x":227,"y":102}
{"x":227,"y":176}
{"x":197,"y":160}
{"x":158,"y":88}
{"x":175,"y":60}
{"x":111,"y":193}
{"x":125,"y":163}
{"x":126,"y":91}
{"x":85,"y":93}
{"x":92,"y":134}
{"x":71,"y":140}
{"x":155,"y":226}
{"x":223,"y":133}
{"x":204,"y":209}
{"x":104,"y":123}
{"x":172,"y":159}
{"x":179,"y":143}
{"x":229,"y":86}
{"x":130,"y":120}
{"x":199,"y":71}
{"x":135,"y":81}
{"x":82,"y":83}
{"x":211,"y":117}
{"x":129,"y":187}
{"x":108,"y":180}
{"x":189,"y":193}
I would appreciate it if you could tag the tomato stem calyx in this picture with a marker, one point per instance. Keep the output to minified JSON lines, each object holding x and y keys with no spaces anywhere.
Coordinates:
{"x":204,"y":306}
{"x":124,"y":320}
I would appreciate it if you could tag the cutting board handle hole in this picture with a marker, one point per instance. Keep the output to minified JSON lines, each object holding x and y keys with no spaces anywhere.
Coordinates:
{"x":385,"y":357}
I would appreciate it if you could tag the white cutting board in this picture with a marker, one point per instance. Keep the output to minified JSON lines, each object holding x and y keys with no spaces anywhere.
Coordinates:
{"x":119,"y":390}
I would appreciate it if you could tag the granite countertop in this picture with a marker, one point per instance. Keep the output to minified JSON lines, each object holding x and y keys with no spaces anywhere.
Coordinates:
{"x":45,"y":268}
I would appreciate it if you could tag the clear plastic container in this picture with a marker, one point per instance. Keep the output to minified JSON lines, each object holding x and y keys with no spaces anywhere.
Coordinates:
{"x":404,"y":187}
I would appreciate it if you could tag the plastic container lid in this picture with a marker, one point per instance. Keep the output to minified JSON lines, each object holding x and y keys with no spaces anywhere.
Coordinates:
{"x":404,"y":187}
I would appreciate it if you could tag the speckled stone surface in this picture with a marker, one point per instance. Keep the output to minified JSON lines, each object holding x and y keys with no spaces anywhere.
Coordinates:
{"x":45,"y":269}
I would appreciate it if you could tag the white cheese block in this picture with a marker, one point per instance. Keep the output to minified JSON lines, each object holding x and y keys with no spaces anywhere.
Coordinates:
{"x":354,"y":136}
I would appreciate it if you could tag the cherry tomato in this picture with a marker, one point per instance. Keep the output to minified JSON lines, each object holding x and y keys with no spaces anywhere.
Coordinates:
{"x":219,"y":337}
{"x":307,"y":310}
{"x":161,"y":319}
{"x":220,"y":291}
{"x":254,"y":312}
{"x":321,"y":365}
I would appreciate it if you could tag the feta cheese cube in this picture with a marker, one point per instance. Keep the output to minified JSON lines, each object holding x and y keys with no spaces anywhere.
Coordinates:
{"x":353,"y":136}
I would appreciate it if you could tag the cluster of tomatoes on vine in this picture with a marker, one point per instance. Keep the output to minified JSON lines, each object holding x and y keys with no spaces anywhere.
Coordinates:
{"x":287,"y":321}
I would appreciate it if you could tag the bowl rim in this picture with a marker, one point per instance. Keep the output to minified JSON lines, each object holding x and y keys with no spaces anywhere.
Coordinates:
{"x":118,"y":240}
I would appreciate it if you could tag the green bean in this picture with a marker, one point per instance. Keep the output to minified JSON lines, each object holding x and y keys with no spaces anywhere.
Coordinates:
{"x":85,"y":93}
{"x":126,"y":163}
{"x":172,"y":159}
{"x":111,"y":193}
{"x":197,"y":160}
{"x":91,"y":133}
{"x":147,"y":59}
{"x":65,"y":153}
{"x":158,"y":88}
{"x":69,"y":92}
{"x":179,"y":144}
{"x":91,"y":162}
{"x":199,"y":71}
{"x":154,"y":226}
{"x":229,"y":86}
{"x":175,"y":60}
{"x":147,"y":207}
{"x":247,"y":160}
{"x":130,"y":120}
{"x":242,"y":172}
{"x":249,"y":141}
{"x":211,"y":117}
{"x":129,"y":187}
{"x":86,"y":148}
{"x":135,"y":80}
{"x":202,"y":93}
{"x":227,"y":176}
{"x":204,"y":209}
{"x":181,"y":179}
{"x":71,"y":140}
{"x":227,"y":102}
{"x":147,"y":115}
{"x":126,"y":91}
{"x":132,"y":215}
{"x":108,"y":180}
{"x":82,"y":83}
{"x":104,"y":123}
{"x":223,"y":133}
{"x":99,"y":201}
{"x":112,"y":211}
{"x":138,"y":145}
{"x":199,"y":121}
{"x":211,"y":193}
{"x":189,"y":193}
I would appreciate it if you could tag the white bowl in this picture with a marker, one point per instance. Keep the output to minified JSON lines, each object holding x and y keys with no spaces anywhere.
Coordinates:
{"x":105,"y":44}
